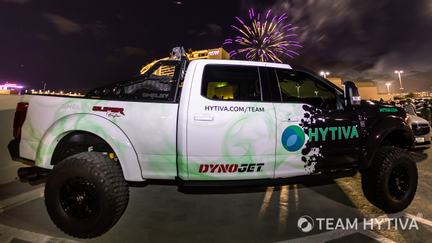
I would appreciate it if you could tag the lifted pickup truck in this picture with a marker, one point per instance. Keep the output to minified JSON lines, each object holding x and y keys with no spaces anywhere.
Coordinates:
{"x":209,"y":122}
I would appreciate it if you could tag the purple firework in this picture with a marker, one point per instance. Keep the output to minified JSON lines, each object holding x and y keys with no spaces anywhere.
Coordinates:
{"x":264,"y":38}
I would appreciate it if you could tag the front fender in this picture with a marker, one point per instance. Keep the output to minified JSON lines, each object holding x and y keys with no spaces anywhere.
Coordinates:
{"x":100,"y":126}
{"x":391,"y":125}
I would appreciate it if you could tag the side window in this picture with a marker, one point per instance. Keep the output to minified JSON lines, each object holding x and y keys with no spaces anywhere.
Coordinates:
{"x":301,"y":87}
{"x":224,"y":82}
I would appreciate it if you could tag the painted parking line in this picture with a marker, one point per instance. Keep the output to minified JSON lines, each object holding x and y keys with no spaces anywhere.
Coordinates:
{"x":20,"y":199}
{"x":10,"y":234}
{"x":321,"y":237}
{"x":376,"y":236}
{"x":419,"y":219}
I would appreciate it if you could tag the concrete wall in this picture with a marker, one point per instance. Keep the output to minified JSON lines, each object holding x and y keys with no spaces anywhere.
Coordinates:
{"x":8,"y":167}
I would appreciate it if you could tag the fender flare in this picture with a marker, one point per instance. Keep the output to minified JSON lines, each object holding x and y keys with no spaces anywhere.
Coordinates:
{"x":379,"y":132}
{"x":99,"y":126}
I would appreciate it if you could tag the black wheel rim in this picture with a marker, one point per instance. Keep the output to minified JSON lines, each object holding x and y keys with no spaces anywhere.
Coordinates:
{"x":399,"y":182}
{"x":78,"y":198}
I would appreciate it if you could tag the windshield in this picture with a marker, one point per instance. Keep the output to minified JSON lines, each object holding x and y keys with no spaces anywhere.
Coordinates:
{"x":410,"y":109}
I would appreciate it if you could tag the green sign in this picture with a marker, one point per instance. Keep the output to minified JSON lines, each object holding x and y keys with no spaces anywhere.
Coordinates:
{"x":388,"y":109}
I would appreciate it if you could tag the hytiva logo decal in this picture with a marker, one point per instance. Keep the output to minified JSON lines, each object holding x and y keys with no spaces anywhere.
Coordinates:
{"x":305,"y":223}
{"x":293,"y":138}
{"x":230,"y":168}
{"x":332,"y":133}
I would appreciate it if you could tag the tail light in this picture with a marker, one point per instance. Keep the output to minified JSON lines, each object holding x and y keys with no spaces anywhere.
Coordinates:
{"x":20,"y":116}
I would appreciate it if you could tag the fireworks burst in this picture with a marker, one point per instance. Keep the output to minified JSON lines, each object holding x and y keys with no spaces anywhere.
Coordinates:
{"x":265,"y":38}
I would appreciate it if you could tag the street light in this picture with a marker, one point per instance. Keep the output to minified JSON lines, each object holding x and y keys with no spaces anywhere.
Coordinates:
{"x":399,"y":72}
{"x":388,"y":87}
{"x":324,"y":73}
{"x":298,"y":90}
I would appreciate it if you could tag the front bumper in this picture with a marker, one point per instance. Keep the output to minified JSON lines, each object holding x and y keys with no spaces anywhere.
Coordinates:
{"x":13,"y":148}
{"x":422,"y":142}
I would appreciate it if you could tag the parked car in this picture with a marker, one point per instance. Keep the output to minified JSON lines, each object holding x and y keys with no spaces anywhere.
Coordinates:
{"x":421,"y":129}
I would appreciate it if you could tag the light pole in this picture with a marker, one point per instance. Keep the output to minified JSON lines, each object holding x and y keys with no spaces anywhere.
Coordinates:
{"x":298,"y":90}
{"x":388,"y":87}
{"x":399,"y":72}
{"x":324,"y":73}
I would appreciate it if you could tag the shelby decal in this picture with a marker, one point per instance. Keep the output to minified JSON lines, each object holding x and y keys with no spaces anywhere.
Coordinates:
{"x":335,"y":133}
{"x":233,"y":108}
{"x":156,"y":95}
{"x":230,"y":168}
{"x":388,"y":109}
{"x":110,"y":111}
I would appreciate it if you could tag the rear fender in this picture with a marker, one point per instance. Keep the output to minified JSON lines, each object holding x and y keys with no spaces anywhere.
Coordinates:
{"x":100,"y":126}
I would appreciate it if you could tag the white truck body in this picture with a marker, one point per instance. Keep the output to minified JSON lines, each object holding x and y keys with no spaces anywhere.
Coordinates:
{"x":151,"y":139}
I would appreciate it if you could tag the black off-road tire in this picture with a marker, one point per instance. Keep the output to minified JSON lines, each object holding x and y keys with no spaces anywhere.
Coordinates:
{"x":86,"y":194}
{"x":391,"y":182}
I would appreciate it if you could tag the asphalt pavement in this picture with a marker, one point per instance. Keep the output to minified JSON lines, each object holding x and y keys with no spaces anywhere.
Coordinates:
{"x":163,"y":213}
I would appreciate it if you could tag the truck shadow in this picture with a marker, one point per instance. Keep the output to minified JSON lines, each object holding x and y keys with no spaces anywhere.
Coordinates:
{"x":269,"y":213}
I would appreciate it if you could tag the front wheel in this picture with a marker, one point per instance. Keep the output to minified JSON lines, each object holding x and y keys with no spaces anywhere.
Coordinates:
{"x":86,"y":194}
{"x":391,"y":181}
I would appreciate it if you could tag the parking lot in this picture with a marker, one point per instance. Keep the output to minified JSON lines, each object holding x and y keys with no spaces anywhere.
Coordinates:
{"x":163,"y":213}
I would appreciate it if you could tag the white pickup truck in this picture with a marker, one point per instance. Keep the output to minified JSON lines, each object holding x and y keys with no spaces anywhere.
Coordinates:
{"x":208,"y":122}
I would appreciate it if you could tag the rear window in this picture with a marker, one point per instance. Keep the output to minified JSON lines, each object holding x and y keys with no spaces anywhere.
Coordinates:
{"x":229,"y":82}
{"x":160,"y":84}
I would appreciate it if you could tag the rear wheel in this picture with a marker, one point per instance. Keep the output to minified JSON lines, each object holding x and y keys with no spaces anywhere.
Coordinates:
{"x":391,"y":181}
{"x":86,"y":194}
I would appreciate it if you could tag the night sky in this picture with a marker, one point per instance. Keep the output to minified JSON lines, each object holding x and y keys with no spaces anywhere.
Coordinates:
{"x":83,"y":44}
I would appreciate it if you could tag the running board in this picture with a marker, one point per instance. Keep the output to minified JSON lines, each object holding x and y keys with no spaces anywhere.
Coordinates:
{"x":33,"y":173}
{"x":267,"y":182}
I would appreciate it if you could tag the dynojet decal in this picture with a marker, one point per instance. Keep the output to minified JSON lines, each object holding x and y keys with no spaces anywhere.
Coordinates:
{"x":230,"y":168}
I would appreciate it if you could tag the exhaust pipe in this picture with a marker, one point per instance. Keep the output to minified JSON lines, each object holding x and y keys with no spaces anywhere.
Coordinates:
{"x":29,"y":174}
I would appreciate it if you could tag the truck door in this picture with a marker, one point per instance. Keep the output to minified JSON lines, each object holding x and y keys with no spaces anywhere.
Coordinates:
{"x":231,"y":132}
{"x":314,"y":132}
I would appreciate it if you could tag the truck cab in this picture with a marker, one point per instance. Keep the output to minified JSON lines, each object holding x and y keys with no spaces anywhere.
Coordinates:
{"x":251,"y":120}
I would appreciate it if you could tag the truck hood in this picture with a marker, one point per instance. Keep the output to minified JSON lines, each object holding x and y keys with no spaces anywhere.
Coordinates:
{"x":376,"y":110}
{"x":416,"y":119}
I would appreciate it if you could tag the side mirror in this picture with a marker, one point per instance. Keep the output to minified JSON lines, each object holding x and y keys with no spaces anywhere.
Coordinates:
{"x":351,"y":94}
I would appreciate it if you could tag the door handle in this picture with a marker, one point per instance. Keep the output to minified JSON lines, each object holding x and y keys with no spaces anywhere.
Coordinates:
{"x":291,"y":119}
{"x":202,"y":117}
